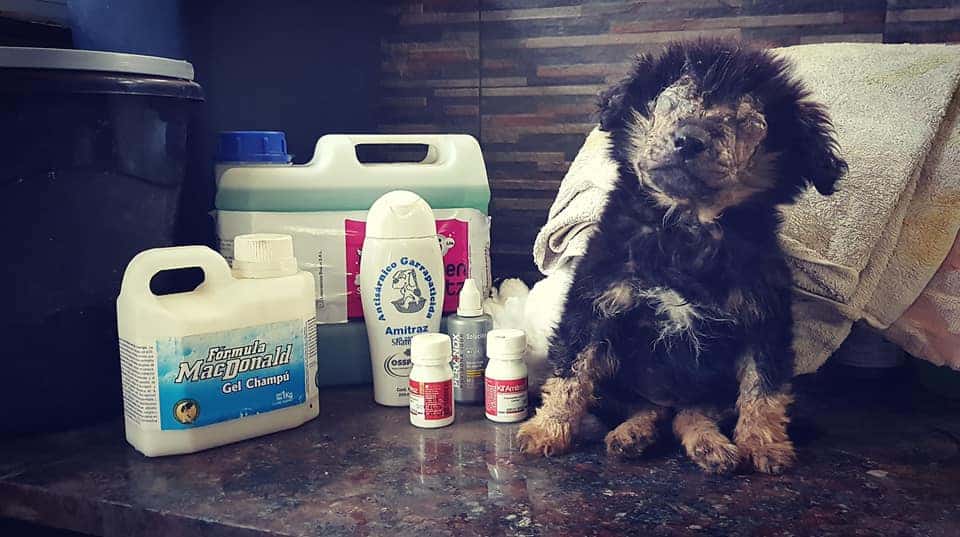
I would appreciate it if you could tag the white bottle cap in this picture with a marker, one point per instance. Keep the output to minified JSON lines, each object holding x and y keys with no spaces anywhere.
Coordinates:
{"x":400,"y":215}
{"x":506,"y":342}
{"x":263,"y":255}
{"x":471,"y":303}
{"x":430,"y":349}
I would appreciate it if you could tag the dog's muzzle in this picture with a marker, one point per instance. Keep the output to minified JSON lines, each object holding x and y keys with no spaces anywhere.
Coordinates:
{"x":679,"y":182}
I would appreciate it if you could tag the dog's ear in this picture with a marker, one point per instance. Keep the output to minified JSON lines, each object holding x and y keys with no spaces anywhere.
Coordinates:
{"x":818,"y":157}
{"x":617,"y":104}
{"x":612,"y":105}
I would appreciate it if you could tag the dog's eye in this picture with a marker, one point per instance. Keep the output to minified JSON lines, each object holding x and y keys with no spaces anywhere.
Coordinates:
{"x":753,"y":124}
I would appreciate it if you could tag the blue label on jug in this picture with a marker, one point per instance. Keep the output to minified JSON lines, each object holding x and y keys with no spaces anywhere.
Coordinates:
{"x":210,"y":378}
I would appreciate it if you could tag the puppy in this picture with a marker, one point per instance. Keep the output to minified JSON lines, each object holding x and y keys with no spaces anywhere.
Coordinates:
{"x":680,"y":308}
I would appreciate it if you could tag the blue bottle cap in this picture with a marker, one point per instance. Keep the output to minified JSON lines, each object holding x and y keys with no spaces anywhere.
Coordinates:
{"x":252,"y":146}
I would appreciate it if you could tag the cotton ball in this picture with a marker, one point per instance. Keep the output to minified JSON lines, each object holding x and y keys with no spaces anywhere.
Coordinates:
{"x":495,"y":309}
{"x":513,"y":313}
{"x":506,"y":305}
{"x":513,"y":287}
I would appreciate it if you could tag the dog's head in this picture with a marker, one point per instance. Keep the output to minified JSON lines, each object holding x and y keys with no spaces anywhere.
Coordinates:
{"x":403,"y":279}
{"x":712,"y":124}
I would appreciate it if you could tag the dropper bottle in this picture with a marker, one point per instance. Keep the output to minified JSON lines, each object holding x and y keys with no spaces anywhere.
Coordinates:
{"x":468,"y":332}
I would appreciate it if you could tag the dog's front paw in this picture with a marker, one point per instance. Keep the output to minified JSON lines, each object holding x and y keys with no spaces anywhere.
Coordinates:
{"x":630,"y":439}
{"x":769,"y":458}
{"x":714,"y":453}
{"x":545,"y":437}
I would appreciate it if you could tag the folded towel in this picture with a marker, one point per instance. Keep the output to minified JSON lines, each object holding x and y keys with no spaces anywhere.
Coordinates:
{"x":577,"y":207}
{"x":867,"y":251}
{"x":930,"y":327}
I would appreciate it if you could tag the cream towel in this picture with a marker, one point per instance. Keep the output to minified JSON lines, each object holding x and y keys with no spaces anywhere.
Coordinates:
{"x":930,"y":327}
{"x":867,"y":251}
{"x":577,"y":207}
{"x":856,"y":255}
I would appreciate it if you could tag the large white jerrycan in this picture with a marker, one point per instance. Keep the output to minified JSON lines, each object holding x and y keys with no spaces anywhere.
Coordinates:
{"x":232,"y":359}
{"x":452,"y":175}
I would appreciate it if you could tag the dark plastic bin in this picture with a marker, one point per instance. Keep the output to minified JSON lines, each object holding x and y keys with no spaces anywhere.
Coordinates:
{"x":92,"y":158}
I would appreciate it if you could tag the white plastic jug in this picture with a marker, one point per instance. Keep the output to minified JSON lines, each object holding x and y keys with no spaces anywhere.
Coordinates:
{"x":323,"y":205}
{"x":451,"y":175}
{"x":233,"y":359}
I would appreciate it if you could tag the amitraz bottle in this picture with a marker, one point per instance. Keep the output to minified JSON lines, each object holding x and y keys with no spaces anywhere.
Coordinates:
{"x":468,"y":332}
{"x":401,"y":287}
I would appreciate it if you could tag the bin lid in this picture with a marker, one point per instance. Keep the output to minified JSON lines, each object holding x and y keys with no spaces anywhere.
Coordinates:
{"x":93,"y":60}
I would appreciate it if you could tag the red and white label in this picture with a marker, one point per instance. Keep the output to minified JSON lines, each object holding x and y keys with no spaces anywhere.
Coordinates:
{"x":454,"y":238}
{"x":506,"y":397}
{"x":431,"y":400}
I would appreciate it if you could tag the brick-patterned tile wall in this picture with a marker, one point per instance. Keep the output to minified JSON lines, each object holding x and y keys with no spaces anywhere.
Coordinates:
{"x":922,"y":21}
{"x":522,"y":75}
{"x":431,"y":68}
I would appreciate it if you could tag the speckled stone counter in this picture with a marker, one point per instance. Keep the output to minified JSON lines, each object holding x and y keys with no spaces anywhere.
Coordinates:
{"x":886,"y":464}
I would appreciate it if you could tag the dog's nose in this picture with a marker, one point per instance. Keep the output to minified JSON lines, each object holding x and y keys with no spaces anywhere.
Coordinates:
{"x":690,"y":141}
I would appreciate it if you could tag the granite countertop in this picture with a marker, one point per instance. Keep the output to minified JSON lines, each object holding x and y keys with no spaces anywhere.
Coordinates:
{"x":883,"y":464}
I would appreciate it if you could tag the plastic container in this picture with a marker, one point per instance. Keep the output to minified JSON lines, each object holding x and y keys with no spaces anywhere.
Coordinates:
{"x":506,"y":376}
{"x":401,"y":284}
{"x":431,"y":382}
{"x":94,"y":150}
{"x":451,"y":176}
{"x":233,"y":359}
{"x":468,"y":332}
{"x":323,"y":205}
{"x":866,"y":349}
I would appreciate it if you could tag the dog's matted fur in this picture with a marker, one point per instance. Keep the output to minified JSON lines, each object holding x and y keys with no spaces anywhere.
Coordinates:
{"x":681,"y":306}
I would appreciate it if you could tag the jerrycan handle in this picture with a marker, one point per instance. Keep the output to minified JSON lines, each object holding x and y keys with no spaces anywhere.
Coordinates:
{"x":438,"y":147}
{"x":145,"y":265}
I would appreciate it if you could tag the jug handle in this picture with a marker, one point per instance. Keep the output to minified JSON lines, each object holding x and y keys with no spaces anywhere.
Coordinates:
{"x":145,"y":265}
{"x":437,"y":145}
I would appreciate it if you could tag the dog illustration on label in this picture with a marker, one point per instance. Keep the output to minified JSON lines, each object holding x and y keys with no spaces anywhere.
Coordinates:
{"x":411,"y":298}
{"x":186,"y":411}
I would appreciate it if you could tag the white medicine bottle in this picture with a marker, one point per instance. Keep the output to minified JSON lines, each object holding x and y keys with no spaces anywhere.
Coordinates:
{"x":505,"y":382}
{"x":431,"y":381}
{"x":401,"y":287}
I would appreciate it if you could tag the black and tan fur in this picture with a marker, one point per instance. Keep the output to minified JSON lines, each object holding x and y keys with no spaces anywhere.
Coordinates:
{"x":681,"y":306}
